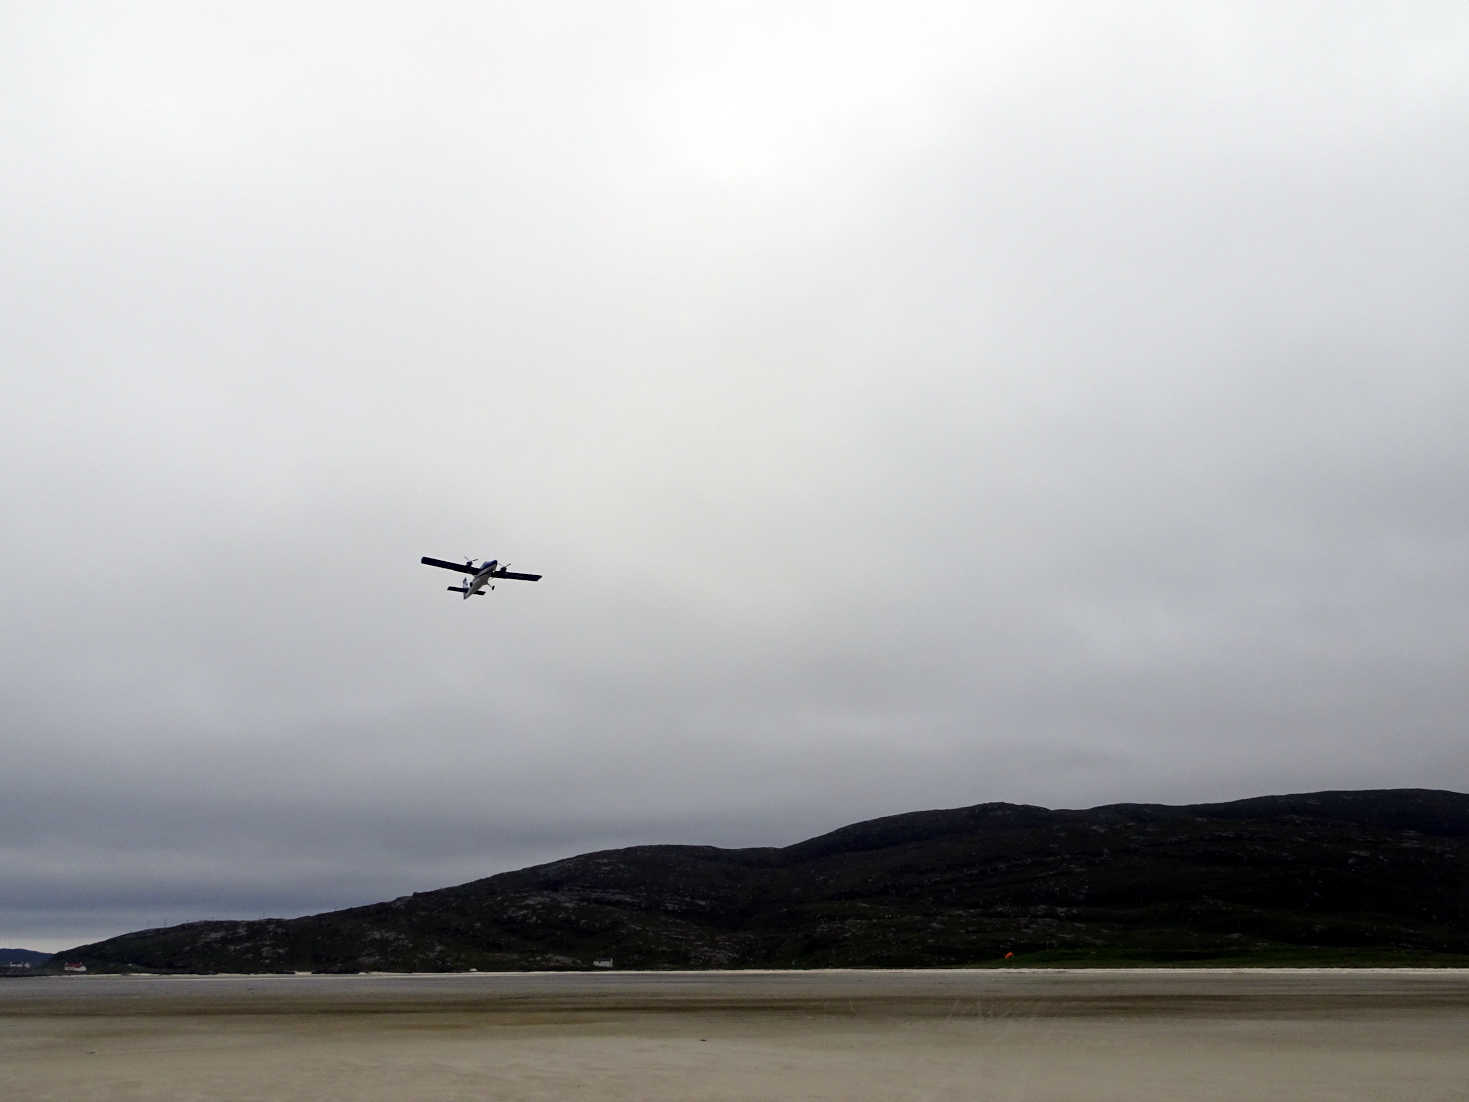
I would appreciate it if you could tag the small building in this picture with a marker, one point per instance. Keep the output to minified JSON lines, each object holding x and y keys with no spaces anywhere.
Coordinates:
{"x":605,"y":962}
{"x":73,"y":966}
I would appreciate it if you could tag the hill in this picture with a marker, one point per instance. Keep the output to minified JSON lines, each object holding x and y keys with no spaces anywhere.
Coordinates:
{"x":22,"y":956}
{"x":1371,"y":876}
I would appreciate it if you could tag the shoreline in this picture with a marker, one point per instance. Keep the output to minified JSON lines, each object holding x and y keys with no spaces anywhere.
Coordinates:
{"x":1037,"y":970}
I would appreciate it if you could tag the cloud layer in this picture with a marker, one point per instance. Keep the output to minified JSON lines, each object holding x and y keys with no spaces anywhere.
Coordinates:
{"x":907,"y":407}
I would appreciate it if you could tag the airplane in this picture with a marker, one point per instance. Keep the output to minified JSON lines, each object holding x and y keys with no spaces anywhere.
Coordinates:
{"x":481,"y":575}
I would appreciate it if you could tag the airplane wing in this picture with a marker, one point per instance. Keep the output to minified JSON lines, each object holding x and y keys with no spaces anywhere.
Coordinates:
{"x":459,"y":566}
{"x":512,"y":575}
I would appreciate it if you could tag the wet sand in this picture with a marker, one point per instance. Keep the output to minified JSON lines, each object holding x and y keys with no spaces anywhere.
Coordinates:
{"x":1135,"y":1035}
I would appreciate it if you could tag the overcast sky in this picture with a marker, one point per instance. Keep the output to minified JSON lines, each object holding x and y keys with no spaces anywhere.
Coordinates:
{"x":908,"y":405}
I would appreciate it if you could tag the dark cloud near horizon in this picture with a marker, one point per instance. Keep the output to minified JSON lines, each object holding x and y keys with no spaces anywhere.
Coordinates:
{"x":907,"y":408}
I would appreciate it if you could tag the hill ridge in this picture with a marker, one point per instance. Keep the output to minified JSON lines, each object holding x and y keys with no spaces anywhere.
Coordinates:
{"x":1382,"y":871}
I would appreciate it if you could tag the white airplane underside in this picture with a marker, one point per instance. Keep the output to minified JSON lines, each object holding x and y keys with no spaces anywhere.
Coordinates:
{"x":479,"y":576}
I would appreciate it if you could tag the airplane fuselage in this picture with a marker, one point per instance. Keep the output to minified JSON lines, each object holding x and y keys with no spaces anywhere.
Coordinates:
{"x":477,"y":583}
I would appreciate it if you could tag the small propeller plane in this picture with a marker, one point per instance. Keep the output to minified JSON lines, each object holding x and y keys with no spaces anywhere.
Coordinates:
{"x":480,"y":576}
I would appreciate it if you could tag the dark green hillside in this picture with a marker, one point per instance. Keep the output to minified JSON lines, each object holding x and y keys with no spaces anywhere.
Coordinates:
{"x":1337,"y":877}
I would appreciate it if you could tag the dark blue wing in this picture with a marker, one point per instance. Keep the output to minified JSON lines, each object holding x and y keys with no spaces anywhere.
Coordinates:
{"x":459,"y":566}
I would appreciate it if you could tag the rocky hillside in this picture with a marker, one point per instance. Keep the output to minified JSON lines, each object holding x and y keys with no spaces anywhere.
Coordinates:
{"x":1329,"y":875}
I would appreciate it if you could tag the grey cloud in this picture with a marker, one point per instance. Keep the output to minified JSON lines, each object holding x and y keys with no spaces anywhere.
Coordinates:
{"x":906,"y":408}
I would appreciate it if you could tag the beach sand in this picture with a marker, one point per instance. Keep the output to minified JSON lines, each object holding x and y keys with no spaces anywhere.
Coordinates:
{"x":1133,"y":1034}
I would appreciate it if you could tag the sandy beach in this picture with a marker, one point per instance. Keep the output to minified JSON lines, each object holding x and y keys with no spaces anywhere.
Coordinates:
{"x":1145,"y":1034}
